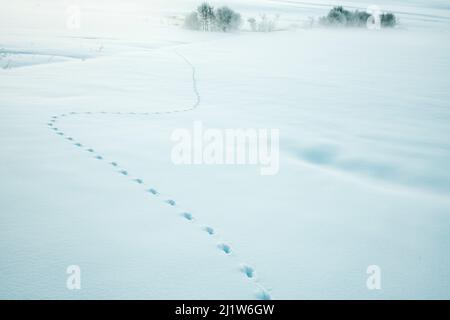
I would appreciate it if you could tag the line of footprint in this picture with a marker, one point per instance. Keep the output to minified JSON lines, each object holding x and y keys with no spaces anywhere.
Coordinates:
{"x":248,"y":271}
{"x":224,"y":247}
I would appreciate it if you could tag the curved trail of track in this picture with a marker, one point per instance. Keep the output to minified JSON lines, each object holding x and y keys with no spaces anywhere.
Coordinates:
{"x":247,"y":271}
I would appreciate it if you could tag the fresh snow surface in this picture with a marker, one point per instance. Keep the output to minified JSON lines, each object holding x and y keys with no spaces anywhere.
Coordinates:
{"x":86,"y":117}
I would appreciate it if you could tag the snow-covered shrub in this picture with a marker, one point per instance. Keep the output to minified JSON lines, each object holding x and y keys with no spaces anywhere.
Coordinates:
{"x":206,"y":16}
{"x":267,"y":24}
{"x":338,"y":16}
{"x":192,"y":22}
{"x":252,"y":23}
{"x":358,"y":19}
{"x":227,"y":19}
{"x":388,"y":20}
{"x":264,"y":24}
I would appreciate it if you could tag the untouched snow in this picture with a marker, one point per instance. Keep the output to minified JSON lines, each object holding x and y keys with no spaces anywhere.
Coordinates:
{"x":364,"y":178}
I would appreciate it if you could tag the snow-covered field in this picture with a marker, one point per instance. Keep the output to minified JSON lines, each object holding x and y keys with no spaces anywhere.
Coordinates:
{"x":86,"y":117}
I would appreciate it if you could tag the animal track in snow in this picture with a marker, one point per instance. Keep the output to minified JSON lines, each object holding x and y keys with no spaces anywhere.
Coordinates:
{"x":262,"y":294}
{"x":209,"y":230}
{"x":224,"y":247}
{"x":171,"y":202}
{"x":187,"y":216}
{"x":248,"y":271}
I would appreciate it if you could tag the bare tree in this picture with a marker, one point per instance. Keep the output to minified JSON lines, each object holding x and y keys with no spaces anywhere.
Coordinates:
{"x":192,"y":22}
{"x":227,"y":19}
{"x":206,"y":16}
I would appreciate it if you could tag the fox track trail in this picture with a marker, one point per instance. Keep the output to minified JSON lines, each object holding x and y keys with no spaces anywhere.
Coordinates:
{"x":223,"y":247}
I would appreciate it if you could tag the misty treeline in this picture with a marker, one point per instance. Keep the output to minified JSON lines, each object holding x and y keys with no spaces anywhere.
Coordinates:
{"x":207,"y":18}
{"x":338,"y":16}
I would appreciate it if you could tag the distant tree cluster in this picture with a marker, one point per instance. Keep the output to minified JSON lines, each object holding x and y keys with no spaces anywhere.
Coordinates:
{"x":264,"y":24}
{"x":338,"y":16}
{"x":206,"y":18}
{"x":388,"y":20}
